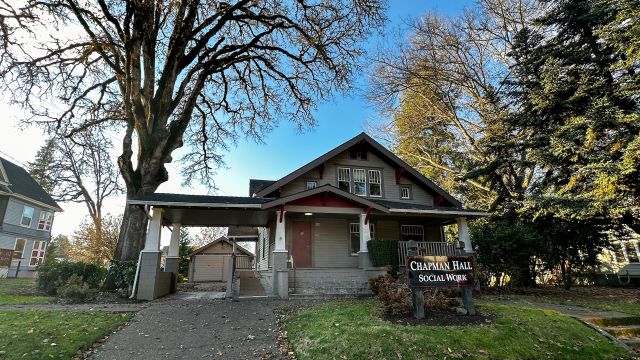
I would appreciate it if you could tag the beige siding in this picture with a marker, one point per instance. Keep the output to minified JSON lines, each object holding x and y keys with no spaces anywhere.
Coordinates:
{"x":219,"y":248}
{"x":263,"y":243}
{"x":330,"y":244}
{"x":387,"y":230}
{"x":390,"y":190}
{"x":432,"y":233}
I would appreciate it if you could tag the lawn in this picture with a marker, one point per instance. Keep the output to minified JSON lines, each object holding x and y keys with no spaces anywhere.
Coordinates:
{"x":353,"y":330}
{"x":52,"y":334}
{"x":592,"y":297}
{"x":20,"y":292}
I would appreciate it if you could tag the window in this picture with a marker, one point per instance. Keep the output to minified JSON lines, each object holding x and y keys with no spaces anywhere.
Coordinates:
{"x":359,"y":182}
{"x":354,"y":242}
{"x":344,"y":179}
{"x":405,"y":192}
{"x":46,"y":218}
{"x":27,"y":216}
{"x":412,"y":232}
{"x":37,"y":253}
{"x":18,"y":249}
{"x":375,"y":183}
{"x":359,"y":154}
{"x":311,"y":185}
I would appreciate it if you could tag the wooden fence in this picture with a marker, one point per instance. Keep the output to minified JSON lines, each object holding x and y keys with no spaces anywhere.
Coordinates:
{"x":428,"y":248}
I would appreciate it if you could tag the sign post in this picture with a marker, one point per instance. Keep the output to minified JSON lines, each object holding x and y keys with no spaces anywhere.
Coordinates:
{"x":417,"y":295}
{"x":442,"y":271}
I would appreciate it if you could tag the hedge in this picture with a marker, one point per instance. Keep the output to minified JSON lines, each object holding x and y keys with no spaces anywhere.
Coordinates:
{"x":54,"y":274}
{"x":383,"y":252}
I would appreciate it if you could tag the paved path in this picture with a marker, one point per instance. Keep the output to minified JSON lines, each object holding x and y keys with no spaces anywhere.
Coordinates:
{"x":180,"y":328}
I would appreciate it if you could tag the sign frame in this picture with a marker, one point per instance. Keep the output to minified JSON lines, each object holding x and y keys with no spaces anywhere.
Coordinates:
{"x":441,"y":269}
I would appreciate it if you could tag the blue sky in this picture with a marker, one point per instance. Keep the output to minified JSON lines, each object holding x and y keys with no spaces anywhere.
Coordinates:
{"x":285,"y":150}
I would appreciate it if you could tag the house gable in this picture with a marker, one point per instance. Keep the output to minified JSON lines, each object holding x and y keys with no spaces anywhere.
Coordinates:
{"x":22,"y":186}
{"x":364,"y":154}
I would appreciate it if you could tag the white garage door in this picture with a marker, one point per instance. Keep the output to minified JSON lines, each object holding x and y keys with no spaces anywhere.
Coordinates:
{"x":210,"y":267}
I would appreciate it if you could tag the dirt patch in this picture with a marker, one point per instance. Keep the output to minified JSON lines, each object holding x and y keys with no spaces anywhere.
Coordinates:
{"x":441,"y":318}
{"x":216,"y":286}
{"x":100,"y":297}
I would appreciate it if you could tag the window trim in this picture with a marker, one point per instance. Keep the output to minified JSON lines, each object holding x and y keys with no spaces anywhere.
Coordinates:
{"x":366,"y":169}
{"x":379,"y":171}
{"x":372,"y":231}
{"x":23,"y":247}
{"x":47,"y":222}
{"x":364,"y":182}
{"x":410,"y":193}
{"x":314,"y":182}
{"x":348,"y":181}
{"x":41,"y":252}
{"x":24,"y":208}
{"x":415,"y":226}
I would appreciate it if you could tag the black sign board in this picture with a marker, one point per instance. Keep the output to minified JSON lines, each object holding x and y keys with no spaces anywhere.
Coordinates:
{"x":440,"y":271}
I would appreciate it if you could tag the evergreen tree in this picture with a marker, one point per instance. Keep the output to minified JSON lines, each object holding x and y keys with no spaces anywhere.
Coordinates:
{"x":185,"y":249}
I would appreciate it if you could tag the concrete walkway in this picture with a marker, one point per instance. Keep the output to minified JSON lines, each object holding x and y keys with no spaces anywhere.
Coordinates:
{"x":180,"y":327}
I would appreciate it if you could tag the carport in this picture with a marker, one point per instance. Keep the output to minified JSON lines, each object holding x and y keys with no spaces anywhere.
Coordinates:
{"x":177,"y":210}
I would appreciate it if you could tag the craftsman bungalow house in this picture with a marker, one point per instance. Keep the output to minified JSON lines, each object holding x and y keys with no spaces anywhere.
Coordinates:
{"x":314,"y":223}
{"x":26,"y":217}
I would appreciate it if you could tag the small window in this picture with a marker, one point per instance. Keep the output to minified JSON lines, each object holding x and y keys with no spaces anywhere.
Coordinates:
{"x":46,"y":218}
{"x":354,"y":229}
{"x":359,"y":154}
{"x":18,"y":249}
{"x":405,"y":192}
{"x":375,"y":183}
{"x":359,"y":182}
{"x":344,"y":179}
{"x":37,"y":253}
{"x":412,"y":232}
{"x":27,"y":216}
{"x":311,"y":185}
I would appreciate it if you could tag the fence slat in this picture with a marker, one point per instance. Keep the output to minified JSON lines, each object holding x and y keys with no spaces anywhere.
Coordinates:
{"x":428,"y":248}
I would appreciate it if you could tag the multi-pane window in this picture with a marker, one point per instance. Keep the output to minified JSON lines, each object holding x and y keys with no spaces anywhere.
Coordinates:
{"x":344,"y":179}
{"x":18,"y":249}
{"x":27,"y":216}
{"x":405,"y":192}
{"x":46,"y":218}
{"x":375,"y":183}
{"x":359,"y":182}
{"x":354,"y":229}
{"x":412,"y":232}
{"x":311,"y":185}
{"x":37,"y":253}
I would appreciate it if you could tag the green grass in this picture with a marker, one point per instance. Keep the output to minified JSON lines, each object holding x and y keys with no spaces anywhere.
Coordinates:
{"x":621,"y":304}
{"x":353,"y":330}
{"x":9,"y":287}
{"x":52,"y":334}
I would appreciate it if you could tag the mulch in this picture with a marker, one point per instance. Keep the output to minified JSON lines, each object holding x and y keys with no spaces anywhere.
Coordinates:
{"x":440,"y":318}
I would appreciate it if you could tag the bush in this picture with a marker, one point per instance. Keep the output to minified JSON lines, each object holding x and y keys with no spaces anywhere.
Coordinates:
{"x":122,"y":273}
{"x":54,"y":274}
{"x":396,"y":296}
{"x":384,"y":252}
{"x":75,"y":289}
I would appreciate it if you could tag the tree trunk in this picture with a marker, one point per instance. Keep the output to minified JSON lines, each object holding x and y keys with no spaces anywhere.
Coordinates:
{"x":132,"y":233}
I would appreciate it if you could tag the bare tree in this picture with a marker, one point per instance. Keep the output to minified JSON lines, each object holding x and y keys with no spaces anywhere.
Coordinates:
{"x":209,"y":234}
{"x":199,"y":72}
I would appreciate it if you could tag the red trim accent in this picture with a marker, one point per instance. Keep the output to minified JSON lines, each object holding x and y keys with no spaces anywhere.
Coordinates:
{"x":399,"y":172}
{"x":281,"y":213}
{"x":321,"y":170}
{"x":438,"y":200}
{"x":366,"y":218}
{"x":325,"y":199}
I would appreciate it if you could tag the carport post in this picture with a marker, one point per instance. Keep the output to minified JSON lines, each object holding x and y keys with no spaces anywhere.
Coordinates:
{"x":150,"y":259}
{"x":280,"y":255}
{"x":172,"y":262}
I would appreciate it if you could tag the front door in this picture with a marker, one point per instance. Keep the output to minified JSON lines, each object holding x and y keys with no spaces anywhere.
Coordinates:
{"x":301,"y":244}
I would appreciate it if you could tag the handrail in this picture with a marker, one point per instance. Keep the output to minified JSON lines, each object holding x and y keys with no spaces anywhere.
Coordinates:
{"x":425,"y":248}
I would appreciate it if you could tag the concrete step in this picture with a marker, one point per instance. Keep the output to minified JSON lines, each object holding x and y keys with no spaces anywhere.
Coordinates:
{"x":626,"y":331}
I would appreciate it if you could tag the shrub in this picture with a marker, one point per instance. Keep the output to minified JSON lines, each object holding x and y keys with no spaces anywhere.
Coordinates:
{"x":122,"y":273}
{"x":53,"y":274}
{"x":75,"y":289}
{"x":383,"y":252}
{"x":396,"y":296}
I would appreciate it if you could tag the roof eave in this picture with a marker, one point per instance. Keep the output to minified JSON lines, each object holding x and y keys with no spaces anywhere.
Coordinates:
{"x":321,"y":189}
{"x":192,"y":204}
{"x":460,"y":212}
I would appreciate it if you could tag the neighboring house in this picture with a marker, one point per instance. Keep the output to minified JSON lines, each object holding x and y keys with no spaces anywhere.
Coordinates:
{"x":314,"y":223}
{"x":211,"y":261}
{"x":26,"y":214}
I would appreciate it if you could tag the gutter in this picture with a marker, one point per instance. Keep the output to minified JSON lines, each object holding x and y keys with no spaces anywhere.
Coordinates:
{"x":441,"y":212}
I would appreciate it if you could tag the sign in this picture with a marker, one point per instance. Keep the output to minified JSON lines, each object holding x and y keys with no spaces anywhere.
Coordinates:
{"x":436,"y":271}
{"x":5,"y":257}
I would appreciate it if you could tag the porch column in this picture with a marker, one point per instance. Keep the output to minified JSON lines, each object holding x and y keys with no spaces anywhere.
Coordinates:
{"x":463,"y":234}
{"x":172,"y":262}
{"x":150,"y":259}
{"x":365,"y":235}
{"x":280,"y":256}
{"x":635,"y":244}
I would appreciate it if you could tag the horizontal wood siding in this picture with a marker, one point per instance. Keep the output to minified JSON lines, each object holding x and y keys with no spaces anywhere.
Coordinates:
{"x":212,"y":267}
{"x":330,"y":244}
{"x":263,"y":242}
{"x":387,"y":230}
{"x":390,"y":190}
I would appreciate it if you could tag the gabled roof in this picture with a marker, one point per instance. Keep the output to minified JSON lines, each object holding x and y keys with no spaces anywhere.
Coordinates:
{"x":220,"y":239}
{"x":256,"y":185}
{"x":22,"y":185}
{"x":363,"y":137}
{"x":325,"y":189}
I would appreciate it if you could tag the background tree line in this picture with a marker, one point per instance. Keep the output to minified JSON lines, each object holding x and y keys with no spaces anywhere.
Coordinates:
{"x":528,"y":109}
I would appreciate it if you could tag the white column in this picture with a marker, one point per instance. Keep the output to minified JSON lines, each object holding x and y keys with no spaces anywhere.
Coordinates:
{"x":635,"y":244}
{"x":365,"y":233}
{"x":463,"y":234}
{"x":623,"y":246}
{"x":280,"y":231}
{"x":174,"y":245}
{"x":152,"y":242}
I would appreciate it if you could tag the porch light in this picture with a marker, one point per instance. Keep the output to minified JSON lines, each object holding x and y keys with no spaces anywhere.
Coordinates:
{"x":308,"y":214}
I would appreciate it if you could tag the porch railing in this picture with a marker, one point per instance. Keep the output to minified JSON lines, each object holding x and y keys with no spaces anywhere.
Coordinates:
{"x":428,"y":248}
{"x":244,"y":262}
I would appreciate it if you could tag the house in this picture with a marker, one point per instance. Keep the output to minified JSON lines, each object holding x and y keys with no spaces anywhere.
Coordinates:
{"x":314,"y":223}
{"x":27,"y":213}
{"x":211,"y":261}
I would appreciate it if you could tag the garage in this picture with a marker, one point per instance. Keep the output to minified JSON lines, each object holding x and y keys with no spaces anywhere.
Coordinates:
{"x":211,"y":261}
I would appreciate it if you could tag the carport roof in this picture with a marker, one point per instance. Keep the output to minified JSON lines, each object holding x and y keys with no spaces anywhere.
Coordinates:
{"x":184,"y":200}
